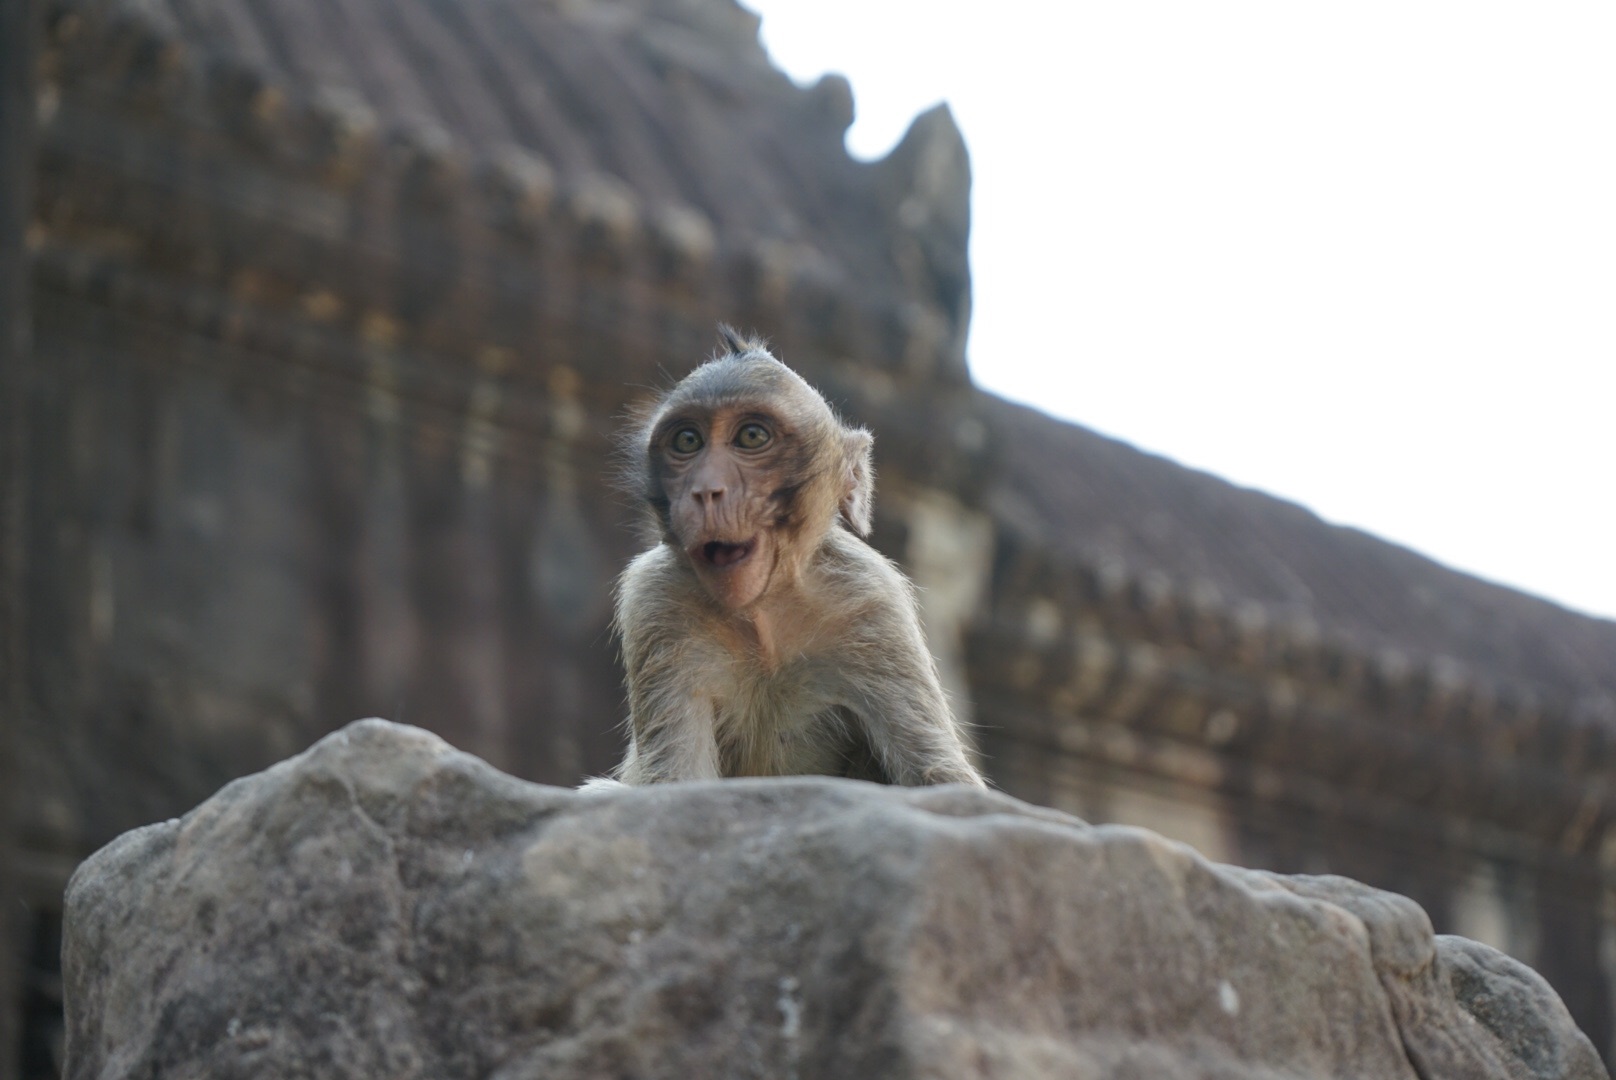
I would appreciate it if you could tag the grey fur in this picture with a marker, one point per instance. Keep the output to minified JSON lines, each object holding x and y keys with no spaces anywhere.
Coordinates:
{"x":823,"y":667}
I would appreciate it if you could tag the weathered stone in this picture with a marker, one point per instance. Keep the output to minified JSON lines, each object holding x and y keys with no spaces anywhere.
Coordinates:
{"x":384,"y":905}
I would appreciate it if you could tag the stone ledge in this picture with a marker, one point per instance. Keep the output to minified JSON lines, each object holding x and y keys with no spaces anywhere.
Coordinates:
{"x":383,"y":905}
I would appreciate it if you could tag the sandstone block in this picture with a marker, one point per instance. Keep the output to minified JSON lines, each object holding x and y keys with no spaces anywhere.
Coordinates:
{"x":386,"y":906}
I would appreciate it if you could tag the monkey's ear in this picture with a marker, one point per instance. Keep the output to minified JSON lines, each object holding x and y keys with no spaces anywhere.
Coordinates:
{"x":858,"y":481}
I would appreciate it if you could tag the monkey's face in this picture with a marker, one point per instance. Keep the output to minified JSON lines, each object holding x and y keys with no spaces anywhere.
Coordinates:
{"x":747,"y":469}
{"x":733,"y":478}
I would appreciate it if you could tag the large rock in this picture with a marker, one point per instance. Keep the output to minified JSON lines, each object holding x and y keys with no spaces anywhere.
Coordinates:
{"x":385,"y":906}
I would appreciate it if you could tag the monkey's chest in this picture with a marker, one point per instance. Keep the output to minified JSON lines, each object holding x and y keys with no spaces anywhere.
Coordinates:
{"x":791,"y":724}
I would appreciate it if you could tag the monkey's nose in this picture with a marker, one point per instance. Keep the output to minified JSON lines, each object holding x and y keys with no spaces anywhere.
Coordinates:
{"x":707,"y":496}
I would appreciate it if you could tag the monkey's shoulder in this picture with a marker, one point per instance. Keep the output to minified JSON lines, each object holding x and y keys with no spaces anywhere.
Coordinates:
{"x":860,"y":576}
{"x":655,"y":595}
{"x":657,"y":571}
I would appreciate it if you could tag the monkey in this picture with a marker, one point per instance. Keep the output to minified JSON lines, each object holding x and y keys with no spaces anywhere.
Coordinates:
{"x":761,"y":634}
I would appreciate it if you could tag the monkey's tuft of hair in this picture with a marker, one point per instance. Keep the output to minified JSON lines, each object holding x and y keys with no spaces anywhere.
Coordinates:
{"x":735,"y":343}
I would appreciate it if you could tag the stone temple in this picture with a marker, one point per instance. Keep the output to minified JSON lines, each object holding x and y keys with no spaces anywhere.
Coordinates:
{"x":319,"y":322}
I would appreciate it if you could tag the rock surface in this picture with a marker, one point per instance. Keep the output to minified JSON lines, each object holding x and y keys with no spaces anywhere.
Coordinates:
{"x":386,"y":906}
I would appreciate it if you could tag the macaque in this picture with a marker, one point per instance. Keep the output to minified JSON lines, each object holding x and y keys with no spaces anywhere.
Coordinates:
{"x":762,"y":635}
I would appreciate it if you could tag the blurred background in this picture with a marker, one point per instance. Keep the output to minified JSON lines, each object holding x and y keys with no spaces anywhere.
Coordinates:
{"x":1359,"y":256}
{"x":319,"y":320}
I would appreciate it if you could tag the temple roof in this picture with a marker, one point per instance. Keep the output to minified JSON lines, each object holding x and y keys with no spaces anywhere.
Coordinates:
{"x":1105,"y":502}
{"x":676,"y":100}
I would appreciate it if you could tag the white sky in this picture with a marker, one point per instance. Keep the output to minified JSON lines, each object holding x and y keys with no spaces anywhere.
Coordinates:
{"x":1358,"y":255}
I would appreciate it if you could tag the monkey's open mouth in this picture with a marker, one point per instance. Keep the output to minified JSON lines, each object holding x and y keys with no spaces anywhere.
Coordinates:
{"x":718,"y":553}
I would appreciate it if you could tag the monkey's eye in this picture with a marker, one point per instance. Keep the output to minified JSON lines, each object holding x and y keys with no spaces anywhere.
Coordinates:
{"x":686,"y":440}
{"x":752,"y":436}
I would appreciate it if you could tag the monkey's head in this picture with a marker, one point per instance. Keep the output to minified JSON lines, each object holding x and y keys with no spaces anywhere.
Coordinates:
{"x":747,"y":469}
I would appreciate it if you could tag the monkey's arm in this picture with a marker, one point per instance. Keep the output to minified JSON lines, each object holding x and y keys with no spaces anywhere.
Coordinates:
{"x":892,"y":686}
{"x":889,"y":679}
{"x":910,"y":727}
{"x":670,"y":735}
{"x":670,"y":719}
